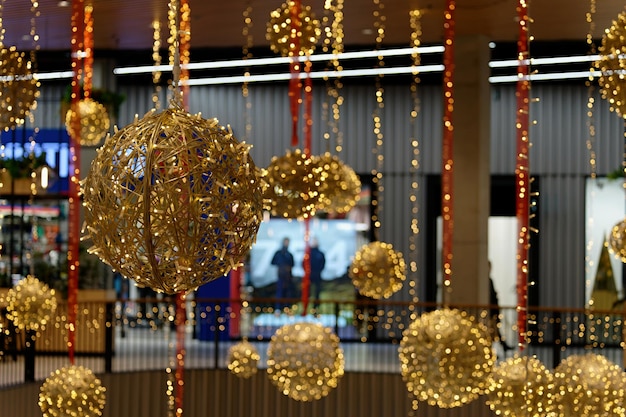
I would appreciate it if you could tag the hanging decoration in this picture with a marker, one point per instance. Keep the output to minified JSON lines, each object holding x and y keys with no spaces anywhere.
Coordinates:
{"x":377,"y":271}
{"x":590,"y":385}
{"x":280,"y":30}
{"x":243,"y":359}
{"x":617,"y":240}
{"x":521,"y":386}
{"x":72,"y":391}
{"x":446,"y":356}
{"x":611,"y":65}
{"x":340,"y":187}
{"x":30,"y":304}
{"x":305,"y":361}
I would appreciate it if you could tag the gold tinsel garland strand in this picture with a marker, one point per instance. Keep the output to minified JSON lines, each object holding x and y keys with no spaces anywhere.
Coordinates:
{"x":243,"y":359}
{"x":611,"y":67}
{"x":94,"y":122}
{"x":590,"y":385}
{"x":279,"y":30}
{"x":305,"y":361}
{"x":30,"y":304}
{"x":617,"y":240}
{"x":377,"y":271}
{"x":446,"y":356}
{"x":172,"y":201}
{"x":72,"y":391}
{"x":340,"y":188}
{"x":293,"y":182}
{"x":521,"y":386}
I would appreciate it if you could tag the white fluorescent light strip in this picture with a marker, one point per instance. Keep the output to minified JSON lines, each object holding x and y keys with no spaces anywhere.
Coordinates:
{"x":281,"y":60}
{"x":319,"y":74}
{"x":54,"y":75}
{"x":544,"y":61}
{"x":544,"y":77}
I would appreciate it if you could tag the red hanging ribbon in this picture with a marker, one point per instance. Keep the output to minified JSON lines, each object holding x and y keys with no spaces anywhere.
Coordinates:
{"x":294,"y":68}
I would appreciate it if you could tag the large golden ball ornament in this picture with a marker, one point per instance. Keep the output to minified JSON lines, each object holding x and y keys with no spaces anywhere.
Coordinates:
{"x":617,"y":240}
{"x":94,"y":122}
{"x":30,"y":304}
{"x":72,"y":391}
{"x":341,"y":186}
{"x":377,"y":271}
{"x":611,"y":66}
{"x":172,"y":201}
{"x":305,"y":361}
{"x":279,"y":30}
{"x":521,"y":386}
{"x":445,"y":357}
{"x":590,"y":385}
{"x":19,"y":89}
{"x":294,"y":181}
{"x":243,"y":359}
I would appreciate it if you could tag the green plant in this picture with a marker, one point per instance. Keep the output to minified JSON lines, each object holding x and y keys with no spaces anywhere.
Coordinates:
{"x":22,"y":167}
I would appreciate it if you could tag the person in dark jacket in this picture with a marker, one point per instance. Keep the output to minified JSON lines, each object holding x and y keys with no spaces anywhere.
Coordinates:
{"x":283,"y":260}
{"x":318,"y":261}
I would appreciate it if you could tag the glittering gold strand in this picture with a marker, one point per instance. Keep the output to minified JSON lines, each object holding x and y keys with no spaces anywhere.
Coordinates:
{"x":305,"y":361}
{"x":172,"y":201}
{"x":72,"y":391}
{"x":30,"y":304}
{"x":279,"y":30}
{"x":377,"y":270}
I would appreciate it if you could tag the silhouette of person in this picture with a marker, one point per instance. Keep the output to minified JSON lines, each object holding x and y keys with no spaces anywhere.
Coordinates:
{"x":318,"y":261}
{"x":283,"y":260}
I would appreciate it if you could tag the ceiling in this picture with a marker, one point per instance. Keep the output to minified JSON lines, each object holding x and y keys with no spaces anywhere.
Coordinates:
{"x":126,"y":24}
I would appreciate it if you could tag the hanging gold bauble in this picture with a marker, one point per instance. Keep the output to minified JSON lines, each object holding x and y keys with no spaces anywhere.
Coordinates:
{"x":18,"y":88}
{"x":590,"y":385}
{"x":305,"y":361}
{"x":377,"y":270}
{"x":94,"y":122}
{"x":30,"y":304}
{"x":293,"y":185}
{"x":340,"y":187}
{"x":611,"y":66}
{"x":72,"y":391}
{"x":617,"y":240}
{"x":279,"y":30}
{"x":445,"y":357}
{"x":521,"y":386}
{"x":243,"y":359}
{"x":172,"y":201}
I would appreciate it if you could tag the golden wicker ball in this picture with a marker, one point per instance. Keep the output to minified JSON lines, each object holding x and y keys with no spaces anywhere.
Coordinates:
{"x":294,"y":180}
{"x":341,"y":186}
{"x":172,"y":201}
{"x":445,"y":358}
{"x":30,"y":304}
{"x":377,"y":271}
{"x":521,"y":386}
{"x":243,"y":359}
{"x":612,"y":79}
{"x":72,"y":391}
{"x":305,"y":361}
{"x":18,"y":88}
{"x":617,"y":240}
{"x":280,"y":26}
{"x":94,"y":122}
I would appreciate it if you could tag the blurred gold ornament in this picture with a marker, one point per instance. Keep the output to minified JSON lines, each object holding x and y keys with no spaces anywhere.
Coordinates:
{"x":30,"y":304}
{"x":377,"y":270}
{"x":72,"y":391}
{"x":280,"y":27}
{"x":94,"y":122}
{"x":611,"y":66}
{"x":445,"y":357}
{"x":340,"y":187}
{"x":590,"y":385}
{"x":521,"y":386}
{"x":243,"y":359}
{"x":18,"y":88}
{"x":294,"y":181}
{"x":172,"y":201}
{"x":617,"y":240}
{"x":305,"y":361}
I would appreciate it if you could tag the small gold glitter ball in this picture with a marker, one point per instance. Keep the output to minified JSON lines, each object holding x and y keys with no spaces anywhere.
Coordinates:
{"x":243,"y":359}
{"x":521,"y":386}
{"x":72,"y":391}
{"x":280,"y":28}
{"x":172,"y":201}
{"x":18,"y":88}
{"x":590,"y":385}
{"x":94,"y":122}
{"x":612,"y":79}
{"x":305,"y":361}
{"x":377,"y":270}
{"x":617,"y":240}
{"x":340,"y":188}
{"x":30,"y":304}
{"x":294,"y":180}
{"x":445,"y":358}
